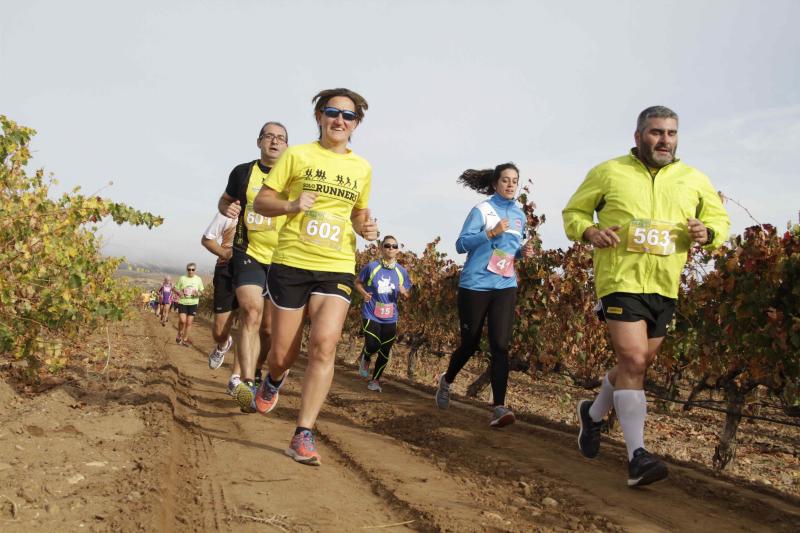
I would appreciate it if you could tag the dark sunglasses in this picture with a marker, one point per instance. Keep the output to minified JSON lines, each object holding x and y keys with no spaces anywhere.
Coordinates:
{"x":334,"y":112}
{"x":190,"y":269}
{"x":394,"y":246}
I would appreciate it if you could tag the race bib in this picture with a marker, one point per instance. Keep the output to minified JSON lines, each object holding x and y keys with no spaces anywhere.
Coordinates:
{"x":655,"y":237}
{"x":323,"y":229}
{"x":188,"y":291}
{"x":501,"y":263}
{"x":255,"y":222}
{"x":384,"y":311}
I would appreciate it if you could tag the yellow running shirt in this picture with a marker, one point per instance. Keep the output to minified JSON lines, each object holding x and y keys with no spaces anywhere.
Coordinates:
{"x":256,"y":235}
{"x":321,"y":239}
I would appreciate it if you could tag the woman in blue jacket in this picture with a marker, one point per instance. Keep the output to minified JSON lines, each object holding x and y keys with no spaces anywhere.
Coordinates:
{"x":492,"y":238}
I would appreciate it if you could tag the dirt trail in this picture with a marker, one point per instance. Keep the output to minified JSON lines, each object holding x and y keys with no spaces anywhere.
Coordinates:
{"x":391,"y":461}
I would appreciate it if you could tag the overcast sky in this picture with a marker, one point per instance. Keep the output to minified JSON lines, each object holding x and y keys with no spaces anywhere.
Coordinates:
{"x":165,"y":98}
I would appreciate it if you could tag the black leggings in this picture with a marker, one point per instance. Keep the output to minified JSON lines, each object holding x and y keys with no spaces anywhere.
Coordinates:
{"x":473,"y":306}
{"x":378,"y":338}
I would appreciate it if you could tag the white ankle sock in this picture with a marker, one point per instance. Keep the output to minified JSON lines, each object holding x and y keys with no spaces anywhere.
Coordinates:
{"x":631,"y":406}
{"x":604,"y":401}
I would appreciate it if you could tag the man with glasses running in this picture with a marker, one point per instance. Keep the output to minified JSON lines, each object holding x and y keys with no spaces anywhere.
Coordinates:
{"x":189,"y":288}
{"x":254,"y":241}
{"x":651,"y":209}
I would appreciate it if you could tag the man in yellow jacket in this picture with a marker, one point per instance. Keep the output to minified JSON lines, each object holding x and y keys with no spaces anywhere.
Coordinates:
{"x":651,"y":208}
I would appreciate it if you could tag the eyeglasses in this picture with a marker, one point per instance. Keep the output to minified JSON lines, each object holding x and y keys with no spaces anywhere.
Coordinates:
{"x":269,"y":137}
{"x":190,"y":269}
{"x":393,"y":246}
{"x":334,"y":112}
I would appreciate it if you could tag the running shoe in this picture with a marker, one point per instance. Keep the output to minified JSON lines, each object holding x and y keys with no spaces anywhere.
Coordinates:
{"x":267,"y":396}
{"x":501,"y":417}
{"x":363,"y":366}
{"x":245,"y":396}
{"x":217,"y":355}
{"x":589,"y":434}
{"x":375,"y":385}
{"x":644,"y":469}
{"x":177,"y":340}
{"x":303,"y":449}
{"x":232,"y":384}
{"x":443,"y":393}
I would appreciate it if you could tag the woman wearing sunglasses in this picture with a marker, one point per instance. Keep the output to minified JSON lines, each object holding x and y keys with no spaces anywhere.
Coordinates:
{"x":492,"y":238}
{"x":379,"y":283}
{"x":326,"y":189}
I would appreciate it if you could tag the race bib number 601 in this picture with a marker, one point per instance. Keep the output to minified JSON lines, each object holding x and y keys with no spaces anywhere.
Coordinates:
{"x":255,"y":222}
{"x":322,"y":229}
{"x":652,"y":237}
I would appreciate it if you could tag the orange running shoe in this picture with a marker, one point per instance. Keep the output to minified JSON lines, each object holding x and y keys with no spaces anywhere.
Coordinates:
{"x":303,"y":449}
{"x":267,"y":395}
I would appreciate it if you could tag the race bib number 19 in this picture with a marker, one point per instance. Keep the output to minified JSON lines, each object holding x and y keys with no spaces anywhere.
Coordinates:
{"x":322,"y":229}
{"x":255,"y":222}
{"x":655,"y":237}
{"x":501,"y":263}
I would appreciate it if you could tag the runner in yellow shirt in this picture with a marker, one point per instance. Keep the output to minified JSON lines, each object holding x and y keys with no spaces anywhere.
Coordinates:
{"x":253,"y":244}
{"x":651,"y":208}
{"x":189,"y":288}
{"x":327,"y":189}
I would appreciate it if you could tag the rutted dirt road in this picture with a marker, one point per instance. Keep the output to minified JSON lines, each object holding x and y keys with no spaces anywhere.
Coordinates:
{"x":165,"y":449}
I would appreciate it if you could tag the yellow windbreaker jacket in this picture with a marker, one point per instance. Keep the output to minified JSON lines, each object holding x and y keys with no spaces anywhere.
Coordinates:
{"x":621,"y":190}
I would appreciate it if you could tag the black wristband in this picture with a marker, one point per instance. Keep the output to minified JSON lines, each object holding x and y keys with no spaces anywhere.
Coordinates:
{"x":709,"y":235}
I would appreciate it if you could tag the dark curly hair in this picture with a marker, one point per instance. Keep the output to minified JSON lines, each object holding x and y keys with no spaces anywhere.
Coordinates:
{"x":483,"y":181}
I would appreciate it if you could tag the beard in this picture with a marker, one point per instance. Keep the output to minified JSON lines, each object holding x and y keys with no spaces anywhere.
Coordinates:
{"x":654,"y":158}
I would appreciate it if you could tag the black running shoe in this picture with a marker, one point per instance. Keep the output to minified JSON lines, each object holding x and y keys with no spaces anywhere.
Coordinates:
{"x":589,"y":434}
{"x":644,"y":469}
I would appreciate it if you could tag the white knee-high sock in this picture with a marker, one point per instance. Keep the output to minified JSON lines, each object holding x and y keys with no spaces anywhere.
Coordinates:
{"x":604,"y":401}
{"x":631,"y":406}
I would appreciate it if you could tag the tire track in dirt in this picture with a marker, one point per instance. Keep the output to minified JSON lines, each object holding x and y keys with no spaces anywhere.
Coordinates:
{"x":392,"y":458}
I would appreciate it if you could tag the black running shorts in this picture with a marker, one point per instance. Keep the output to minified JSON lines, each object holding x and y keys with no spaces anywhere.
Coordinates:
{"x":224,"y":295}
{"x":655,"y":309}
{"x":290,"y":288}
{"x":248,"y":271}
{"x":190,"y":310}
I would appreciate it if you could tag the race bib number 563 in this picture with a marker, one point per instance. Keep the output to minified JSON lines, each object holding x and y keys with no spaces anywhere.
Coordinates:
{"x":652,"y":237}
{"x":322,"y":229}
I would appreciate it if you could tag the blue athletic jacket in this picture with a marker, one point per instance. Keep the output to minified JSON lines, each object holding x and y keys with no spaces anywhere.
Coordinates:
{"x":476,"y":244}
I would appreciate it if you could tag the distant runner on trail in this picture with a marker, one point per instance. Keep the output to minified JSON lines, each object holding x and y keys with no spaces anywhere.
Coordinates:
{"x":253,"y":244}
{"x":153,"y":302}
{"x":144,"y":298}
{"x":380,"y":282}
{"x":492,"y":237}
{"x":324,"y":189}
{"x":218,"y":239}
{"x":189,"y":288}
{"x":651,"y":209}
{"x":164,"y":299}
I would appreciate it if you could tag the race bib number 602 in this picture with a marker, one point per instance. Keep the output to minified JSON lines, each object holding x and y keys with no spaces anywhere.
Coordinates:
{"x":322,"y":229}
{"x":652,"y":237}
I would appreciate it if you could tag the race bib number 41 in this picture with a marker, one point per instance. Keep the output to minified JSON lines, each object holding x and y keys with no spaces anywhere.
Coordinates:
{"x":255,"y":222}
{"x":655,"y":237}
{"x":322,"y":229}
{"x":501,"y":263}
